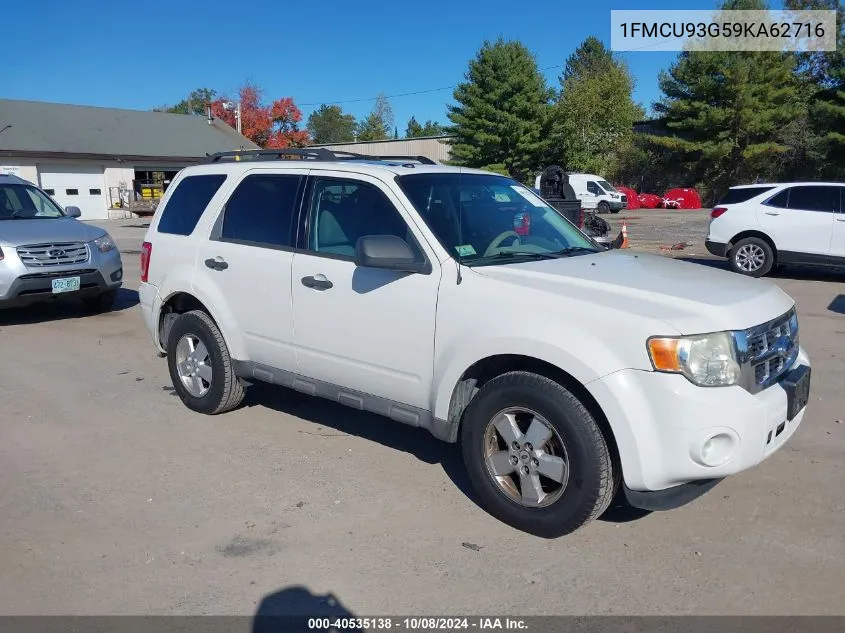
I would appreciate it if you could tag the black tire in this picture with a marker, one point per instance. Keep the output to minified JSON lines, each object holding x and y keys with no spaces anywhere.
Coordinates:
{"x":752,"y":256}
{"x":101,"y":303}
{"x":603,"y":207}
{"x":225,"y":391}
{"x":593,"y":476}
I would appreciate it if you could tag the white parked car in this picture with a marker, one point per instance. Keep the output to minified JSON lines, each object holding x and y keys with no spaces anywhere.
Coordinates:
{"x":595,"y":193}
{"x":758,"y":227}
{"x":458,"y":301}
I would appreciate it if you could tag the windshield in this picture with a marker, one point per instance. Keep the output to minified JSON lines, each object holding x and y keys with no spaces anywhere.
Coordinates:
{"x":25,"y":202}
{"x":482,"y":219}
{"x":607,"y":186}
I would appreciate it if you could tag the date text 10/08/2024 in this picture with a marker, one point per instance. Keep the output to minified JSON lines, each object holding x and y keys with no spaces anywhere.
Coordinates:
{"x":416,"y":624}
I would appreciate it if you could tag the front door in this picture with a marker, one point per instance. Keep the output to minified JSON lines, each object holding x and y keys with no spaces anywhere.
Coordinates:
{"x":800,"y":221}
{"x":366,"y":329}
{"x":247,"y":262}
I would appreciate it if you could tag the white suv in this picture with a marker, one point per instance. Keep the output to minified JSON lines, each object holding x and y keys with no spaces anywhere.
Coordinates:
{"x":459,"y":301}
{"x":759,"y":227}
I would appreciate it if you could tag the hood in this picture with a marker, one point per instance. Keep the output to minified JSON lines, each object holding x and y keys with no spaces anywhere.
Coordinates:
{"x":692,"y":298}
{"x":22,"y":232}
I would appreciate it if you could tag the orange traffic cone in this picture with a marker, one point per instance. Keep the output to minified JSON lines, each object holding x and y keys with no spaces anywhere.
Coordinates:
{"x":624,"y":236}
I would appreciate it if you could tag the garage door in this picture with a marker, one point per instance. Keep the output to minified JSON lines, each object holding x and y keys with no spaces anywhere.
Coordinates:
{"x":81,"y":187}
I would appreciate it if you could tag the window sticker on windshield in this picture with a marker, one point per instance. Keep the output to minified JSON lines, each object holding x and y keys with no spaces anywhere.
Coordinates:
{"x":537,"y":202}
{"x":465,"y":250}
{"x":501,"y":197}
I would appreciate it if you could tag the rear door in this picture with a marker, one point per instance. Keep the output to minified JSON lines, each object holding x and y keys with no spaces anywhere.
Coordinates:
{"x":800,"y":221}
{"x":246,"y":262}
{"x":837,"y":243}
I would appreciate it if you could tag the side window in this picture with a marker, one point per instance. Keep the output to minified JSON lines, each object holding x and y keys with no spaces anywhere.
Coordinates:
{"x":344,"y":210}
{"x":814,"y":198}
{"x":593,"y":188}
{"x":261,"y":210}
{"x":779,"y":200}
{"x":187,"y":203}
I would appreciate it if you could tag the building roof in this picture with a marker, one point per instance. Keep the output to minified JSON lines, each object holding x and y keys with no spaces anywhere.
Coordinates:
{"x":36,"y":127}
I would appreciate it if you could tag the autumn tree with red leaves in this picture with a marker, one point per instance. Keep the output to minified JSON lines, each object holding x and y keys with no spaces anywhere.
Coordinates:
{"x":275,"y":125}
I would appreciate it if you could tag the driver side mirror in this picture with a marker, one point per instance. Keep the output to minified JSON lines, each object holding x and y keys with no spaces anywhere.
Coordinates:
{"x":388,"y":252}
{"x":73,"y":212}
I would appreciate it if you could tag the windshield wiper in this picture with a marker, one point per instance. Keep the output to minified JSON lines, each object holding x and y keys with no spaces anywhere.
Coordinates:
{"x":572,"y":250}
{"x":511,"y":255}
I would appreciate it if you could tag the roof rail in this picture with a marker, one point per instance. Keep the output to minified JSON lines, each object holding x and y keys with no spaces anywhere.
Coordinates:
{"x":272,"y":154}
{"x":317,"y":153}
{"x":423,"y":160}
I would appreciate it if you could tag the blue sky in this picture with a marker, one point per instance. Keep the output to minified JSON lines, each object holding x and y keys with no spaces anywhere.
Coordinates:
{"x":144,"y":54}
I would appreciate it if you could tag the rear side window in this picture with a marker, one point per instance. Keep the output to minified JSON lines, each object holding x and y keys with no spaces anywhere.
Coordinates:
{"x":187,"y":203}
{"x":261,"y":210}
{"x":780,"y":200}
{"x":735,"y":196}
{"x":814,"y":198}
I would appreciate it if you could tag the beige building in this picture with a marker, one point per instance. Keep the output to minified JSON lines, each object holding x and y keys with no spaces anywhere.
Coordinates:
{"x":433,"y":147}
{"x":105,"y":160}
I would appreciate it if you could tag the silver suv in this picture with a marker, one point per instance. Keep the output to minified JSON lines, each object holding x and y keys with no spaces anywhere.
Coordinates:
{"x":46,"y":254}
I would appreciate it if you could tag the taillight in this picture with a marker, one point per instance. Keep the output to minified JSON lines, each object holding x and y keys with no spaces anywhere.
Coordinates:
{"x":715,"y":213}
{"x":522,"y":223}
{"x":146,"y":253}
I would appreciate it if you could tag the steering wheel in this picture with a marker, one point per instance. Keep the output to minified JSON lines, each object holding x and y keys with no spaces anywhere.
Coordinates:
{"x":497,"y":241}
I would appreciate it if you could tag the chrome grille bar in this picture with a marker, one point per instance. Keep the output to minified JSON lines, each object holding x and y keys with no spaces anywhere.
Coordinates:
{"x":53,"y":254}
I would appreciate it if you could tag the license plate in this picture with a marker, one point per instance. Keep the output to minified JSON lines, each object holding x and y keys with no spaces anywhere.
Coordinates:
{"x":68,"y":284}
{"x":797,"y":386}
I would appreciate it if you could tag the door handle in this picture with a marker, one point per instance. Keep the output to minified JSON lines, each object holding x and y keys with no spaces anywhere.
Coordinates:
{"x":217,"y":263}
{"x":771,"y":213}
{"x":318,"y":282}
{"x":840,"y":219}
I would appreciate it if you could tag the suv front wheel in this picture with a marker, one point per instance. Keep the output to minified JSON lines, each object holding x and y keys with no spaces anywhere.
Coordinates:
{"x":200,"y":365}
{"x":535,"y":455}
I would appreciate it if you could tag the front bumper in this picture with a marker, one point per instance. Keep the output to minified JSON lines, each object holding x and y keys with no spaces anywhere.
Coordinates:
{"x":21,"y":286}
{"x":661,"y":423}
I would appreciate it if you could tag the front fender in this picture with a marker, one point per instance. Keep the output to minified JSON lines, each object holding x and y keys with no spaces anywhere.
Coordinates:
{"x":454,"y":361}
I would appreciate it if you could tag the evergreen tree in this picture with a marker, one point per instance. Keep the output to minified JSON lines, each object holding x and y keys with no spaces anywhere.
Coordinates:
{"x":413,"y":129}
{"x":728,"y":111}
{"x":823,"y":81}
{"x":328,"y":124}
{"x":498,"y":118}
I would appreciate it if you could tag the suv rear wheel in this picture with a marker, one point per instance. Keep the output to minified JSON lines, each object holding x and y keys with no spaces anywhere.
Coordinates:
{"x":535,"y":456}
{"x":200,"y":365}
{"x":752,"y":256}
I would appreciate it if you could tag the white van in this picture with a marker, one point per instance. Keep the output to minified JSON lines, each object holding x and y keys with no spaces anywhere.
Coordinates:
{"x":594,"y":192}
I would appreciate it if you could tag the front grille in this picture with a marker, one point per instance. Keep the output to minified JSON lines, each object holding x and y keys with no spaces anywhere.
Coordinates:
{"x":772,"y":348}
{"x":56,"y":254}
{"x":624,"y":198}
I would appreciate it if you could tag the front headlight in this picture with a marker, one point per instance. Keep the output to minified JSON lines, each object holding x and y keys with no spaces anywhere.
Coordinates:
{"x":105,"y":244}
{"x":707,"y":360}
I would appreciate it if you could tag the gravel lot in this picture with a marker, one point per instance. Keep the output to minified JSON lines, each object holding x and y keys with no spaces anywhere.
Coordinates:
{"x":118,"y":500}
